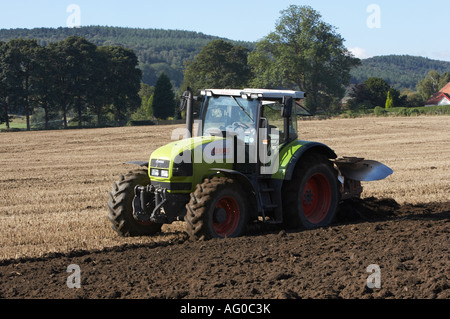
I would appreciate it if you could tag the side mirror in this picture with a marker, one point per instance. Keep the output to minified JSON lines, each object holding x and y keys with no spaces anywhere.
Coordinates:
{"x":288,"y":102}
{"x":183,"y":101}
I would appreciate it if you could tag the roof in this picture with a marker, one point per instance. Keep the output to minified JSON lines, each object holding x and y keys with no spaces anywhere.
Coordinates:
{"x":262,"y":93}
{"x":443,"y":93}
{"x":446,"y":89}
{"x":437,"y":98}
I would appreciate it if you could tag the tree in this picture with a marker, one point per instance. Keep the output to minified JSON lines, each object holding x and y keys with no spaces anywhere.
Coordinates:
{"x":122,"y":82}
{"x":378,"y":90}
{"x":145,"y":111}
{"x":432,"y":84}
{"x":45,"y":85}
{"x":389,"y":101}
{"x":61,"y":57}
{"x":80,"y":61}
{"x":413,"y":99}
{"x":146,"y":94}
{"x":304,"y":53}
{"x":359,"y":93}
{"x":19,"y":62}
{"x":4,"y":116}
{"x":163,"y":99}
{"x":220,"y":64}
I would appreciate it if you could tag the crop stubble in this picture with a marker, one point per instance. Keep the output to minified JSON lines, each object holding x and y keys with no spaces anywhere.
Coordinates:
{"x":54,"y":184}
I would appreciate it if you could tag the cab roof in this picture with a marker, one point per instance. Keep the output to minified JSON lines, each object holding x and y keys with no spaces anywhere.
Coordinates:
{"x":255,"y":93}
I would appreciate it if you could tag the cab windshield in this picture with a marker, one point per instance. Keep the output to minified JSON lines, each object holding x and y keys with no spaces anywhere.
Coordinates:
{"x":231,"y":115}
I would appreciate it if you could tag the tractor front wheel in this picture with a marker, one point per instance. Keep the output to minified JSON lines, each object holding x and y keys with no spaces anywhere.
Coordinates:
{"x":120,"y":206}
{"x":217,"y":209}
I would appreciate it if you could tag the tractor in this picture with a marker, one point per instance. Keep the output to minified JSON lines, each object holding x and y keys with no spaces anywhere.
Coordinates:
{"x":245,"y":165}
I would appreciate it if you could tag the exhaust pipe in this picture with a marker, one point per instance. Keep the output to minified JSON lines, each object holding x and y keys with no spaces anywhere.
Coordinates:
{"x":188,"y":100}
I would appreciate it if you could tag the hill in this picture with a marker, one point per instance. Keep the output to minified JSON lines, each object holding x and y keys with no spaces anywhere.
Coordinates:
{"x":158,"y":50}
{"x":400,"y":71}
{"x":161,"y":50}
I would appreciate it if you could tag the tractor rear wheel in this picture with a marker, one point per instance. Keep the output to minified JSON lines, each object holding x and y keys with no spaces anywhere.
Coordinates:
{"x":217,"y":209}
{"x":120,"y":206}
{"x":312,"y":197}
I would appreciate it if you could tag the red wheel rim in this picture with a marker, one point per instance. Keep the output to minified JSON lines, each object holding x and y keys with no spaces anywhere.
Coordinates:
{"x":316,"y":199}
{"x":226,"y":216}
{"x":144,"y":223}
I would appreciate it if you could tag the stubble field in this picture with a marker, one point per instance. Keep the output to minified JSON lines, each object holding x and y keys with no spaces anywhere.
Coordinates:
{"x":54,"y":187}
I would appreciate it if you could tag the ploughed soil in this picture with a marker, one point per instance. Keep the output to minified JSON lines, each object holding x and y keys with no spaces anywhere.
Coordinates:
{"x":409,"y":243}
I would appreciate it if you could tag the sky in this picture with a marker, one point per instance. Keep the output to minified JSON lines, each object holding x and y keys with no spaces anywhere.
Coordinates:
{"x":369,"y":27}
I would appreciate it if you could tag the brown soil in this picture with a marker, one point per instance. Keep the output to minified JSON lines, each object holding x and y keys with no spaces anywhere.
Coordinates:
{"x":410,"y":243}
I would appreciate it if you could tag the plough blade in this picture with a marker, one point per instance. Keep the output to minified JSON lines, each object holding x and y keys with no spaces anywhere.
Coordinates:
{"x":362,"y":170}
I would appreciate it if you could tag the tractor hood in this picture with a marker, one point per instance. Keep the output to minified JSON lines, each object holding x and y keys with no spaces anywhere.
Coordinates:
{"x":193,"y":145}
{"x":181,"y":165}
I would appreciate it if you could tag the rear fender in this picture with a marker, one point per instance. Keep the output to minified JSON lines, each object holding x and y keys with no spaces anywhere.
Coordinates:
{"x":307,"y":148}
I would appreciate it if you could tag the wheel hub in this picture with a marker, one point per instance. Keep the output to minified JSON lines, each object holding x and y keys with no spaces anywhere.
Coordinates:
{"x":220,"y":215}
{"x":316,"y":199}
{"x":308,"y":197}
{"x":226,"y":216}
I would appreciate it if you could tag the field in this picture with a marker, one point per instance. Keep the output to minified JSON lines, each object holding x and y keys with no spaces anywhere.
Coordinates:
{"x":54,"y":187}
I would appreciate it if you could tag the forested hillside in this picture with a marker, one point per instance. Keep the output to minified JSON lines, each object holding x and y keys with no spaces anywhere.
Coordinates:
{"x":400,"y":71}
{"x":167,"y":50}
{"x":157,"y":50}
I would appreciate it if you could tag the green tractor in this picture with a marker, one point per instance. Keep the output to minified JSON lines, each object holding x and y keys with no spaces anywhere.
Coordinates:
{"x":245,"y":165}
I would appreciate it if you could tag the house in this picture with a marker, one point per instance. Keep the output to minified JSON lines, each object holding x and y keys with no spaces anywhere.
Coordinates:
{"x":440,"y":98}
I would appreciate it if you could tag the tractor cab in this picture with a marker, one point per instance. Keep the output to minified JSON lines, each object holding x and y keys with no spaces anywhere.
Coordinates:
{"x":257,"y":122}
{"x":244,"y":112}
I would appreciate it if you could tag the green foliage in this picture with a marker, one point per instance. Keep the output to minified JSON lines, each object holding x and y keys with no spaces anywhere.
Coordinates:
{"x":220,"y":64}
{"x":40,"y":120}
{"x":379,"y":111}
{"x":304,"y":53}
{"x":158,"y":50}
{"x":389,"y":101}
{"x":399,"y":71}
{"x":432,"y":84}
{"x":378,"y":90}
{"x":18,"y":60}
{"x":122,"y":82}
{"x":163,"y":99}
{"x":374,"y":92}
{"x":413,"y":111}
{"x":73,"y":74}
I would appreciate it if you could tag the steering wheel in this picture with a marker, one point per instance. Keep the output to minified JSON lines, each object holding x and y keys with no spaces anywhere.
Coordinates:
{"x":237,"y":125}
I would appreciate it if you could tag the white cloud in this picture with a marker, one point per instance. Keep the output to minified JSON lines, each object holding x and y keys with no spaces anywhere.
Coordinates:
{"x":359,"y":53}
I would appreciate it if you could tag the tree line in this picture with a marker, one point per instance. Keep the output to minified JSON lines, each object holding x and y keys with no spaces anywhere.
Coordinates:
{"x":377,"y":92}
{"x":303,"y":53}
{"x":402,"y":72}
{"x":158,"y":50}
{"x":73,"y":75}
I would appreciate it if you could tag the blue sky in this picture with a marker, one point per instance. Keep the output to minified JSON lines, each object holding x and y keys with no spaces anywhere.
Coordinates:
{"x":370,"y":27}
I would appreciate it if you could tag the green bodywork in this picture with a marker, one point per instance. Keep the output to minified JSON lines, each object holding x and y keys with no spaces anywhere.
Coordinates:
{"x":289,"y":154}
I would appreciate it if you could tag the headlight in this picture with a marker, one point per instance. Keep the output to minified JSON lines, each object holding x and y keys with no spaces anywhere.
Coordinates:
{"x":159,"y":173}
{"x":164,"y":173}
{"x":155,"y":172}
